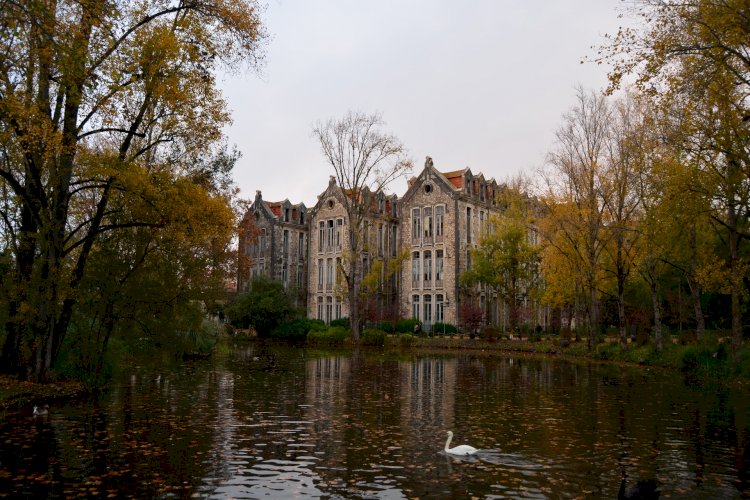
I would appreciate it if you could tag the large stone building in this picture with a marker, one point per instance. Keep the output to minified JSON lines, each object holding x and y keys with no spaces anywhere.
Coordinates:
{"x":329,"y":240}
{"x":438,"y":221}
{"x":443,"y":215}
{"x":273,"y":243}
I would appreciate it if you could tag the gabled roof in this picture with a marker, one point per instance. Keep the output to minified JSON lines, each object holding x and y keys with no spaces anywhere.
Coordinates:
{"x":429,"y":172}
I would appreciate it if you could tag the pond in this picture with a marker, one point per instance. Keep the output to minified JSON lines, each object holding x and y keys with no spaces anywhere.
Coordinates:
{"x":280,"y":422}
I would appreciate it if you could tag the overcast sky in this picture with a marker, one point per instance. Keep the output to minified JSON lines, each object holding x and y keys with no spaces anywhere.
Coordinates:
{"x":479,"y":83}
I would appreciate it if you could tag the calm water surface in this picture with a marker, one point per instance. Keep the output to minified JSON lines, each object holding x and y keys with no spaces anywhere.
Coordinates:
{"x":280,"y":422}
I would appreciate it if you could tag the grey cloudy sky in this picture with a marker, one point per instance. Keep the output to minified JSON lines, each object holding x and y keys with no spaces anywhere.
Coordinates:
{"x":479,"y":83}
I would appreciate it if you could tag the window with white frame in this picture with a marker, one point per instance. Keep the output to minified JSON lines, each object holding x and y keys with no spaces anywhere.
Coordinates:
{"x":439,"y":313}
{"x":415,"y":269}
{"x":427,"y":267}
{"x":427,"y":317}
{"x":339,"y":229}
{"x":415,"y":306}
{"x":416,"y":226}
{"x":320,"y":274}
{"x":439,"y":267}
{"x":427,"y":224}
{"x":439,"y":213}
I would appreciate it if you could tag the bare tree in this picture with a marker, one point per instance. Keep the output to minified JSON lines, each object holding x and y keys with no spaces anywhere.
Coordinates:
{"x":578,"y":183}
{"x":365,"y":160}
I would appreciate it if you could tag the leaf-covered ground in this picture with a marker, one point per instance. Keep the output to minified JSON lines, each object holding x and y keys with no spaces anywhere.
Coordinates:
{"x":15,"y":393}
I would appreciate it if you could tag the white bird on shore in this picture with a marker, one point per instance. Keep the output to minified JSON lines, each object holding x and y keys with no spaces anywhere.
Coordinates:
{"x":463,"y":449}
{"x":38,"y":412}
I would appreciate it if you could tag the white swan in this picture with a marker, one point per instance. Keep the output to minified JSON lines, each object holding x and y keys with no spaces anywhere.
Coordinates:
{"x":44,"y":410}
{"x":463,"y":449}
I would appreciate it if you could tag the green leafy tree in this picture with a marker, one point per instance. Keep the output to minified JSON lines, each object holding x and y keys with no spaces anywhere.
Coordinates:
{"x":99,"y":101}
{"x":507,"y":258}
{"x":692,"y":58}
{"x":264,"y":307}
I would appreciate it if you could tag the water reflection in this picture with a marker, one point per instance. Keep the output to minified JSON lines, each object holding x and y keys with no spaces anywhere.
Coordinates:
{"x":270,"y":421}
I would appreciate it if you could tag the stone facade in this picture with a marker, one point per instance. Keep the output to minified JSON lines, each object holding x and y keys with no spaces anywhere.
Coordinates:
{"x":439,"y":219}
{"x":443,"y":217}
{"x":274,"y":245}
{"x":329,"y":243}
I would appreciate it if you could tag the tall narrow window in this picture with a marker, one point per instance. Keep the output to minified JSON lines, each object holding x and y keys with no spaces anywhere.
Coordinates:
{"x":321,"y":235}
{"x":427,"y":224}
{"x":320,"y":308}
{"x":300,"y":276}
{"x":339,"y":228}
{"x":439,"y":313}
{"x":416,"y":226}
{"x":301,"y":246}
{"x":320,"y":274}
{"x":262,"y":243}
{"x":329,"y":235}
{"x":468,"y":224}
{"x":427,"y":268}
{"x":481,"y":223}
{"x":427,"y":317}
{"x":338,"y":309}
{"x":439,"y":211}
{"x":285,"y":275}
{"x":415,"y":306}
{"x":329,"y":274}
{"x":415,"y":270}
{"x":438,"y":267}
{"x":329,"y":309}
{"x":285,"y":245}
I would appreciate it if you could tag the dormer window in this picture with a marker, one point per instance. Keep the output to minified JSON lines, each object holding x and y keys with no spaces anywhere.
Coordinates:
{"x":286,"y":214}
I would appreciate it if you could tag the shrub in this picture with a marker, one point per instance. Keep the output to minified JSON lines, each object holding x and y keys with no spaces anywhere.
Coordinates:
{"x":374,"y":337}
{"x":490,"y":334}
{"x":447,"y":328}
{"x":406,"y":340}
{"x":292,"y":331}
{"x":334,"y":335}
{"x":317,"y":325}
{"x":264,"y":308}
{"x":406,"y":325}
{"x":342,"y":322}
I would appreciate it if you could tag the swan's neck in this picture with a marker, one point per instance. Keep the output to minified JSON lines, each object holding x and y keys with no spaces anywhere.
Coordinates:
{"x":448,"y":441}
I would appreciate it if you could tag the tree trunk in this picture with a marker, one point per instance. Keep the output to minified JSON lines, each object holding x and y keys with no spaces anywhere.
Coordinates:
{"x":621,"y":312}
{"x":593,"y":317}
{"x":695,"y":288}
{"x":657,"y":314}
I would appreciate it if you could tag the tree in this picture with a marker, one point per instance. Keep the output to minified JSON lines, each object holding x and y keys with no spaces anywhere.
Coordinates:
{"x":98,"y":101}
{"x":264,"y":307}
{"x":365,"y":160}
{"x":506,"y":259}
{"x":622,"y":201}
{"x":695,"y":53}
{"x":577,"y":186}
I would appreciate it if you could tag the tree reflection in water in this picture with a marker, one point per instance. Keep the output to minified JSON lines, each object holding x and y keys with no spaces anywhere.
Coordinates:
{"x":369,"y":423}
